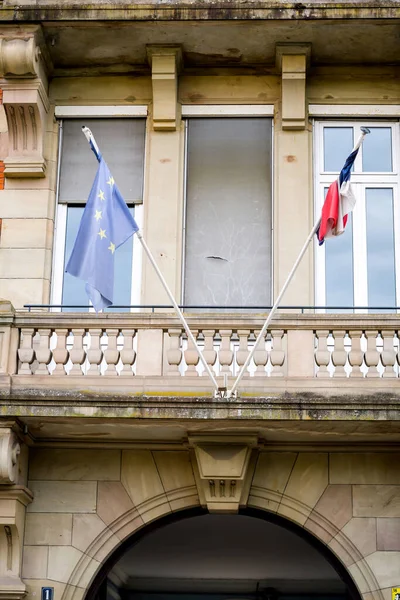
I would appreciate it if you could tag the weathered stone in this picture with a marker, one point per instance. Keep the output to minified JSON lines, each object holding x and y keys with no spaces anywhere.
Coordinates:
{"x":48,"y":529}
{"x":61,"y":497}
{"x":75,"y":465}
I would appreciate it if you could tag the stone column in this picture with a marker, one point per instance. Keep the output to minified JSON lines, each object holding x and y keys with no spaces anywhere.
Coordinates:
{"x":30,"y":145}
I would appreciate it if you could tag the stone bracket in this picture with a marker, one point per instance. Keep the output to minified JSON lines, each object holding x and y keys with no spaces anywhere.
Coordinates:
{"x":165,"y":62}
{"x":223,"y":470}
{"x":9,"y":456}
{"x":26,"y":104}
{"x":13,"y":503}
{"x":292,"y":61}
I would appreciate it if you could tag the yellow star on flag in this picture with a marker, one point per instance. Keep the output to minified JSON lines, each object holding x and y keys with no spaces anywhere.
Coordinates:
{"x":98,"y":216}
{"x":101,"y":195}
{"x":111,"y":247}
{"x":111,"y":181}
{"x":102,"y":233}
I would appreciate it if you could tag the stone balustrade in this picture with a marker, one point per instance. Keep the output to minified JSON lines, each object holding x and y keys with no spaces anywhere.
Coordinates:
{"x":151,"y":352}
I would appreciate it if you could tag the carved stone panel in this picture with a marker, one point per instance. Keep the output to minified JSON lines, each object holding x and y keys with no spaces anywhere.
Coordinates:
{"x":223,"y":468}
{"x":25,"y":102}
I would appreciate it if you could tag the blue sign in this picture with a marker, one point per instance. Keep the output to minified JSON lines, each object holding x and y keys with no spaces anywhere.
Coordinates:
{"x":47,"y":593}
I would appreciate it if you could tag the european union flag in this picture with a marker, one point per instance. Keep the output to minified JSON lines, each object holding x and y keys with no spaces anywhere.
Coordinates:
{"x":106,"y":224}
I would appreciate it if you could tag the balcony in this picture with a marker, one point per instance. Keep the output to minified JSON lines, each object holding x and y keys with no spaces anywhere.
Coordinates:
{"x":305,"y":360}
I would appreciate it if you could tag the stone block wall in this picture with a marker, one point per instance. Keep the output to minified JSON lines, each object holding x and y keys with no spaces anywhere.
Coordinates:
{"x":86,"y":501}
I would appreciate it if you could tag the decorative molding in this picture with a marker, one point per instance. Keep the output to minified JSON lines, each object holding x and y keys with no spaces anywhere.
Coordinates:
{"x":228,"y":110}
{"x":78,"y":112}
{"x":25,"y":100}
{"x":221,"y":469}
{"x":165,"y":62}
{"x":292,"y":61}
{"x":354,"y":110}
{"x":13,"y":502}
{"x":19,"y":57}
{"x":26,"y":105}
{"x":9,"y":456}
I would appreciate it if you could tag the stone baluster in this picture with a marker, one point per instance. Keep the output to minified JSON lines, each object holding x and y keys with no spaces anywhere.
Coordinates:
{"x":388,"y":355}
{"x":209,"y":353}
{"x":112,"y":353}
{"x":243,"y":350}
{"x":43,"y":352}
{"x":260,"y":358}
{"x":95,"y":353}
{"x":174,"y":352}
{"x":26,"y":353}
{"x":60,"y":352}
{"x":128,"y":354}
{"x":77,"y":353}
{"x":277,"y":353}
{"x":191,"y":358}
{"x":372,"y":354}
{"x":356,"y":355}
{"x":339,"y":354}
{"x":322,"y":355}
{"x":225,"y":352}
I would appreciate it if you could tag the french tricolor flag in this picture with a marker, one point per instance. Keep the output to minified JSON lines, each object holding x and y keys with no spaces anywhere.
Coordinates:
{"x":340,"y":199}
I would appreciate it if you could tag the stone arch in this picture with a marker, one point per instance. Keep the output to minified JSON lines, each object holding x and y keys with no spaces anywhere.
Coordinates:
{"x":293,"y":486}
{"x":107,"y":543}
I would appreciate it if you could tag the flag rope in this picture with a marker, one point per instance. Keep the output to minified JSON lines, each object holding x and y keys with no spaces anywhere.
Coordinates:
{"x":92,"y":142}
{"x":260,"y":336}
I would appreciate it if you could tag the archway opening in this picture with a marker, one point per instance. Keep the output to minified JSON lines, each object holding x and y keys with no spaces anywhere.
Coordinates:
{"x":223,"y":557}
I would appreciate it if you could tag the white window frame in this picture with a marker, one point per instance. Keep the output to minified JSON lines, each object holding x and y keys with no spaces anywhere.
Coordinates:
{"x":360,"y":181}
{"x":60,"y":226}
{"x":229,"y":111}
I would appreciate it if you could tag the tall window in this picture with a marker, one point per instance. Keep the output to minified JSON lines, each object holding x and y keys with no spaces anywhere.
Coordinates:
{"x":228,"y":240}
{"x":122,"y":144}
{"x":362,"y":267}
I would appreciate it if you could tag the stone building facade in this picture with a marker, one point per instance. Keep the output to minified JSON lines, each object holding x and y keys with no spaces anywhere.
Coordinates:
{"x":224,"y":124}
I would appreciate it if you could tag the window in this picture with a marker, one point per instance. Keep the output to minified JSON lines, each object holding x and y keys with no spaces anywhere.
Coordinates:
{"x":228,"y":238}
{"x":361,"y":268}
{"x":122,"y":144}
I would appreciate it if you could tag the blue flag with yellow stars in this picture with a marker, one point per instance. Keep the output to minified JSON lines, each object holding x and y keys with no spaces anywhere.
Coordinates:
{"x":106,"y":224}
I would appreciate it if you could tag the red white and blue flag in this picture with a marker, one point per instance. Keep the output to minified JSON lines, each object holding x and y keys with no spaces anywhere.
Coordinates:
{"x":340,"y":199}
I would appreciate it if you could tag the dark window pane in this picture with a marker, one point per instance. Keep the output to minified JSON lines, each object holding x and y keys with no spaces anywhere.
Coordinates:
{"x":377,"y":150}
{"x":338,"y":143}
{"x":380,"y":247}
{"x":228,"y":225}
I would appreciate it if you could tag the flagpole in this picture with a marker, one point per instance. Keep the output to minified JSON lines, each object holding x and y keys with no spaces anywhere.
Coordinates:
{"x":242,"y":371}
{"x":90,"y":138}
{"x":177,"y":309}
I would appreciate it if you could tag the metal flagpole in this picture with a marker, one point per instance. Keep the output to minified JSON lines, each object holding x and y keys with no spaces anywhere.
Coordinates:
{"x":89,"y":136}
{"x":242,"y":371}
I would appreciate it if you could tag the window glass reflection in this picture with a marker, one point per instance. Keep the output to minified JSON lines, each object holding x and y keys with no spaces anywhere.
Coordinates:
{"x":338,"y":143}
{"x":74,"y":289}
{"x":339,"y":269}
{"x":380,"y":247}
{"x":377,"y":150}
